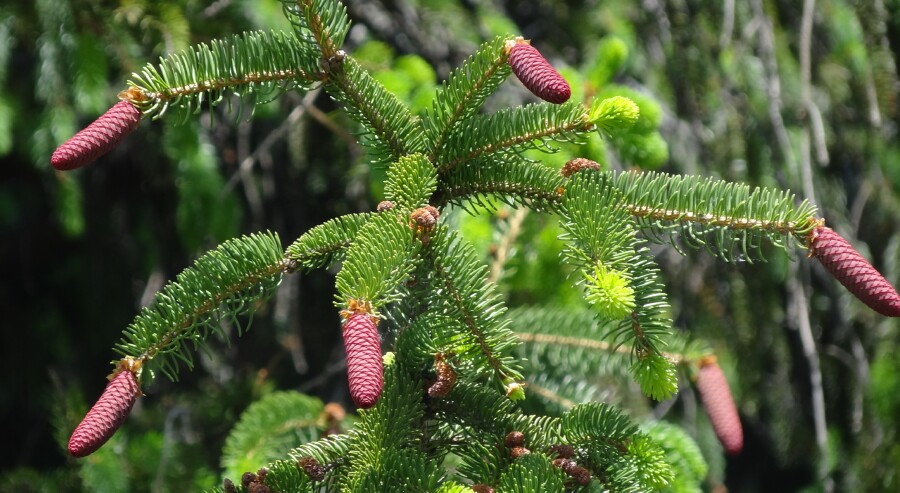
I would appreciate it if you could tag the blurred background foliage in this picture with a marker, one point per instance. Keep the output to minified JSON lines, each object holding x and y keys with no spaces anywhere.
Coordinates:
{"x":799,"y":95}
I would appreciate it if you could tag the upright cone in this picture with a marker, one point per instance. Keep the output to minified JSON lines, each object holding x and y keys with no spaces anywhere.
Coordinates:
{"x":106,"y":416}
{"x":719,"y":404}
{"x":98,"y":138}
{"x":365,"y":371}
{"x":536,"y":73}
{"x":854,"y":271}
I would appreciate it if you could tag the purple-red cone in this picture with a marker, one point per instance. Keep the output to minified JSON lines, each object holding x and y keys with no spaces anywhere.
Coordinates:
{"x":365,"y":370}
{"x":98,"y":138}
{"x":536,"y":73}
{"x":106,"y":415}
{"x":854,"y":271}
{"x":719,"y":404}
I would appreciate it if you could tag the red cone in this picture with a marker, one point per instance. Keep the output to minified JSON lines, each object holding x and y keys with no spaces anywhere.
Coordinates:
{"x":719,"y":405}
{"x":364,"y":366}
{"x":854,"y":272}
{"x":106,"y":415}
{"x":98,"y":138}
{"x":537,"y":74}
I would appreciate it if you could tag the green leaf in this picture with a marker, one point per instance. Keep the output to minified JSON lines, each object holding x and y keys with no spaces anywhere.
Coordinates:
{"x":532,"y":473}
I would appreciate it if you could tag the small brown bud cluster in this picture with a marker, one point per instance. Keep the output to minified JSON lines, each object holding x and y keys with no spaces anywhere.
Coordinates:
{"x":423,"y":221}
{"x":98,"y":138}
{"x":255,"y":483}
{"x":579,"y":474}
{"x":446,"y":377}
{"x":312,"y":468}
{"x":365,"y":370}
{"x":384,"y":205}
{"x":719,"y":404}
{"x":854,"y":271}
{"x":562,"y":451}
{"x":482,"y":488}
{"x":575,"y":165}
{"x":228,"y":486}
{"x":536,"y":73}
{"x":107,"y":414}
{"x":515,"y":442}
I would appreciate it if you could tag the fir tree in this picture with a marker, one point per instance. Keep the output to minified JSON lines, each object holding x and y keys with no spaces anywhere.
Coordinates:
{"x":449,"y":417}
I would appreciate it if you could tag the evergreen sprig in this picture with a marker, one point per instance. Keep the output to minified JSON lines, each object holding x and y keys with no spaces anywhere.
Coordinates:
{"x":507,"y":177}
{"x":381,"y":257}
{"x":323,"y":22}
{"x":462,"y":293}
{"x":465,"y":91}
{"x":390,"y":130}
{"x":269,"y":429}
{"x":534,"y":126}
{"x":410,"y":182}
{"x":532,"y":473}
{"x":726,"y":218}
{"x":222,"y":284}
{"x":255,"y":65}
{"x":326,"y":243}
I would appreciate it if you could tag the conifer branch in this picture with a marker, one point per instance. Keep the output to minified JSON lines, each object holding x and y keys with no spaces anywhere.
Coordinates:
{"x":324,"y":244}
{"x":323,"y":22}
{"x":508,"y":177}
{"x":223,"y":283}
{"x":718,"y":215}
{"x":471,"y":300}
{"x":465,"y":91}
{"x":391,"y":130}
{"x":253,"y":63}
{"x":529,"y":127}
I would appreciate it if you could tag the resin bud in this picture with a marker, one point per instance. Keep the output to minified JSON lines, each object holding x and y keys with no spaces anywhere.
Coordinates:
{"x":106,"y":416}
{"x":536,"y":73}
{"x":365,"y":370}
{"x":98,"y":138}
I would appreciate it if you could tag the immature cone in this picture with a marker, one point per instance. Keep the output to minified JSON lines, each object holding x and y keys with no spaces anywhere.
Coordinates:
{"x":446,"y":377}
{"x":364,"y":366}
{"x":719,"y":405}
{"x":312,"y":468}
{"x":106,"y":415}
{"x":854,"y":272}
{"x":575,"y":165}
{"x":98,"y":138}
{"x":537,"y":74}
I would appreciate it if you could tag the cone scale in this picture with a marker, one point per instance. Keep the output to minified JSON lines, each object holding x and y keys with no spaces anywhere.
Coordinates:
{"x":106,"y":416}
{"x":98,"y":138}
{"x":365,"y":370}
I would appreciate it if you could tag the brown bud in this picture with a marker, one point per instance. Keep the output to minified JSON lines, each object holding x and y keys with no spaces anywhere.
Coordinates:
{"x":514,"y":439}
{"x":482,"y":488}
{"x":517,"y":452}
{"x":258,"y":487}
{"x":719,"y":404}
{"x":107,"y":414}
{"x":575,"y":165}
{"x":247,"y":478}
{"x":581,"y":475}
{"x":384,"y":205}
{"x":854,"y":271}
{"x":312,"y":468}
{"x":228,"y":486}
{"x":563,"y":451}
{"x":446,"y":377}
